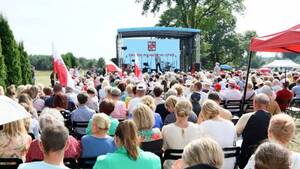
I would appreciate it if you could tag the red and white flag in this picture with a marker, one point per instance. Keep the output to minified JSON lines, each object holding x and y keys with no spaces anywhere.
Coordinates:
{"x":137,"y":69}
{"x":112,"y":67}
{"x":61,"y":70}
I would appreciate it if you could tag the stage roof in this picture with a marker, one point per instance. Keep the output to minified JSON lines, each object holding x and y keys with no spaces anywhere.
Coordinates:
{"x":172,"y":32}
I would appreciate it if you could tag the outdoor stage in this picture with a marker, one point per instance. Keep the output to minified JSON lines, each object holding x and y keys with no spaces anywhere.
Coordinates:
{"x":175,"y":48}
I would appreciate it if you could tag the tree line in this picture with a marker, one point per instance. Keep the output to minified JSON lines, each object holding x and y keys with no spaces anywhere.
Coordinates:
{"x":15,"y":67}
{"x":42,"y":62}
{"x":217,"y":21}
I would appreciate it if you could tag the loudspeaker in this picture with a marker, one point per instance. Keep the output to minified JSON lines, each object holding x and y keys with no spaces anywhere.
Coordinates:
{"x":114,"y":60}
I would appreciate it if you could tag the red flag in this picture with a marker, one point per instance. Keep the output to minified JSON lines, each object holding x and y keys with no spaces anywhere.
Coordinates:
{"x":137,"y":70}
{"x":61,"y":70}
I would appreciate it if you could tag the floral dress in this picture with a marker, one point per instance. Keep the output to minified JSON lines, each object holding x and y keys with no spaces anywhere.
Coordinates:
{"x":14,"y":147}
{"x":149,"y":135}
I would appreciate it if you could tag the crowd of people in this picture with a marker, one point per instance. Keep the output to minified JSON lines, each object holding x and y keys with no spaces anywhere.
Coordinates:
{"x":183,"y":110}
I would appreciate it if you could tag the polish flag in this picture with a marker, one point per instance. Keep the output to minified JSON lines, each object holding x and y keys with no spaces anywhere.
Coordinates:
{"x":112,"y":67}
{"x":61,"y":70}
{"x":137,"y":69}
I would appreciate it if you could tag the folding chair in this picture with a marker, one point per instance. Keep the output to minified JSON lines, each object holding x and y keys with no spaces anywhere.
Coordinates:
{"x":10,"y":163}
{"x":153,"y":146}
{"x":234,"y":106}
{"x":76,"y":125}
{"x":230,"y":152}
{"x":294,"y":109}
{"x":86,"y":163}
{"x":172,"y":154}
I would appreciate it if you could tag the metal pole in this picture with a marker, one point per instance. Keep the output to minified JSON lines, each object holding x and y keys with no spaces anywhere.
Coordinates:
{"x":285,"y":75}
{"x":245,"y":87}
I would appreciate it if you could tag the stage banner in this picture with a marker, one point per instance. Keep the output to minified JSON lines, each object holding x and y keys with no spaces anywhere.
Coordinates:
{"x":151,"y":51}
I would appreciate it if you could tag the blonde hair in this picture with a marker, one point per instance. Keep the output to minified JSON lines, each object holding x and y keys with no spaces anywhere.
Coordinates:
{"x":14,"y":128}
{"x":105,"y":83}
{"x":183,"y":108}
{"x":272,"y":156}
{"x":171,"y":101}
{"x":129,"y":88}
{"x":203,"y":151}
{"x":179,"y":89}
{"x":101,"y":120}
{"x":282,"y":127}
{"x":143,"y":117}
{"x":49,"y":117}
{"x":149,"y":101}
{"x":210,"y":110}
{"x":127,"y":134}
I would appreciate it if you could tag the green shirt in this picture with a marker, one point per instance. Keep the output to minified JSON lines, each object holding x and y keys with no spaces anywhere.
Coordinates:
{"x":120,"y":159}
{"x":111,"y":131}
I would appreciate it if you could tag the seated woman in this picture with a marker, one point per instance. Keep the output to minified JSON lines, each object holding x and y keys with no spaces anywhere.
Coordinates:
{"x":31,"y":124}
{"x":144,"y":120}
{"x":50,"y":117}
{"x":120,"y":111}
{"x":195,"y":155}
{"x":281,"y":130}
{"x":14,"y":140}
{"x":271,"y":156}
{"x":128,"y":155}
{"x":99,"y":138}
{"x":217,"y":128}
{"x":170,"y":105}
{"x":150,"y":102}
{"x":177,"y":135}
{"x":60,"y":103}
{"x":107,"y":107}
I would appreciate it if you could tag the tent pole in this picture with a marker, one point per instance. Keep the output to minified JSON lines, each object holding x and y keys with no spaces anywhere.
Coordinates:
{"x":245,"y":87}
{"x":285,"y":75}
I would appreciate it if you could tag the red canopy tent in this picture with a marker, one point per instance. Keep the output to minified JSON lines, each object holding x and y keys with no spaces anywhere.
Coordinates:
{"x":285,"y":41}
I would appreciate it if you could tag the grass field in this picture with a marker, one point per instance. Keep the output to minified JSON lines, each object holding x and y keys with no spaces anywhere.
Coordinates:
{"x":43,"y":77}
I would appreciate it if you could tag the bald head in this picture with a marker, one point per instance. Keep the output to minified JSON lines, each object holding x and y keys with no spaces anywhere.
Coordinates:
{"x":261,"y":101}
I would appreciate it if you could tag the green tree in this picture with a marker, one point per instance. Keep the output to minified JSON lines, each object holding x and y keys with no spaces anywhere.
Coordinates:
{"x":70,"y":60}
{"x":11,"y":53}
{"x":190,"y":13}
{"x":25,"y":66}
{"x":2,"y":69}
{"x":219,"y":41}
{"x":100,"y":62}
{"x":41,"y":62}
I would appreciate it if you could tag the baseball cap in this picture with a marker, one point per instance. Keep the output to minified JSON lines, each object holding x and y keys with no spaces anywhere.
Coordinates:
{"x":141,"y":87}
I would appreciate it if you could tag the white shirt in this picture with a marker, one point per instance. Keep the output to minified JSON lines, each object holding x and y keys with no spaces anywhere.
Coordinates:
{"x":40,"y":164}
{"x":295,"y":158}
{"x":175,"y":137}
{"x":133,"y":103}
{"x":223,"y":132}
{"x":231,"y":94}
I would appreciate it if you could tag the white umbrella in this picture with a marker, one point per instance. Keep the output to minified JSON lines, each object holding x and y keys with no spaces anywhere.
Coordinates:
{"x":11,"y":111}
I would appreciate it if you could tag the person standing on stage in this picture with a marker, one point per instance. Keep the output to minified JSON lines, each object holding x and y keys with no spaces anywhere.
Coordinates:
{"x":217,"y":69}
{"x":157,"y":61}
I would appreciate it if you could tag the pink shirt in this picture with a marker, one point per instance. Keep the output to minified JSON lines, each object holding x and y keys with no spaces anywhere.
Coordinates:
{"x":120,"y":111}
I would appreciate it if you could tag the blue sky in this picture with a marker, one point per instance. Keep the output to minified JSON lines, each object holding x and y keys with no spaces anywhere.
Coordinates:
{"x":88,"y":27}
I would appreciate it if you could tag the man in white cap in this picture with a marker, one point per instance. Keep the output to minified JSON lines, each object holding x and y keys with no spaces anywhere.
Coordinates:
{"x":141,"y":89}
